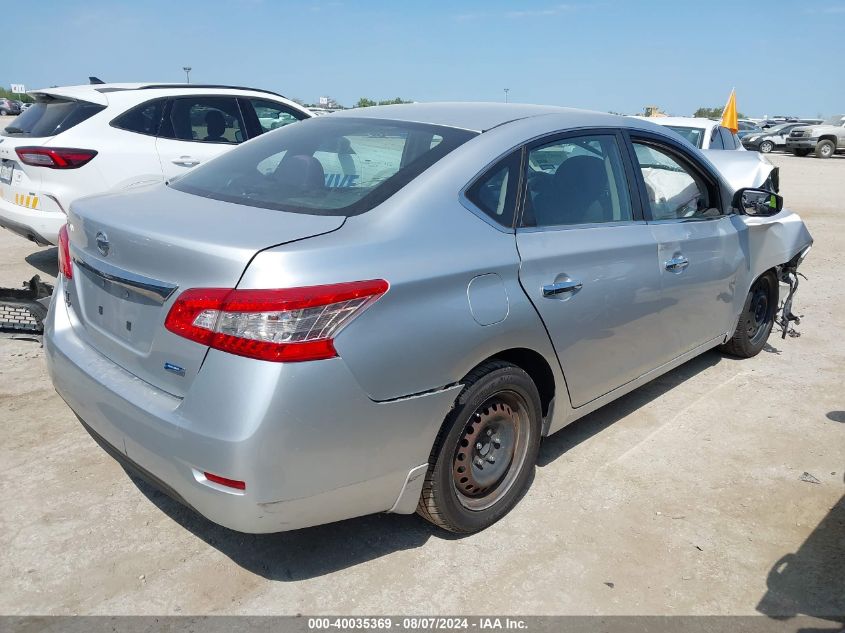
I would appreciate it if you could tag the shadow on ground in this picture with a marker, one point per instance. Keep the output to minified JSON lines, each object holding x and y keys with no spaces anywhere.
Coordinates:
{"x":581,"y":430}
{"x":47,"y":261}
{"x":312,"y":552}
{"x":811,"y":581}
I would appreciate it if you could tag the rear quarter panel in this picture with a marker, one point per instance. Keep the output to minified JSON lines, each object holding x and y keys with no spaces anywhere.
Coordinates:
{"x":422,"y":334}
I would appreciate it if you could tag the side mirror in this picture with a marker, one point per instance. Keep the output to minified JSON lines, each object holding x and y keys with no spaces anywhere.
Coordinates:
{"x":757,"y":202}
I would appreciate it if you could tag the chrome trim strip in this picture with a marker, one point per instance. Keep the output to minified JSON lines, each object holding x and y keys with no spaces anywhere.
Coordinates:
{"x":152,"y":288}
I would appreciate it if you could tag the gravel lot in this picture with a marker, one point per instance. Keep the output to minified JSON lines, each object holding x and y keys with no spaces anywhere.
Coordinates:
{"x":683,"y":497}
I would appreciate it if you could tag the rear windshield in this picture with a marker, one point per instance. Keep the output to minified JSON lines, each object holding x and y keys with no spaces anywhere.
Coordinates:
{"x":325,"y":166}
{"x":48,"y":117}
{"x":694,"y":135}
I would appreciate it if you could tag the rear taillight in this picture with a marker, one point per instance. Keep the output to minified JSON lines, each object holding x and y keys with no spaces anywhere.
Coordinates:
{"x":65,"y":265}
{"x":285,"y":325}
{"x":55,"y":157}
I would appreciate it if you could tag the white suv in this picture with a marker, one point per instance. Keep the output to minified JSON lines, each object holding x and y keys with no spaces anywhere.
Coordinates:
{"x":82,"y":140}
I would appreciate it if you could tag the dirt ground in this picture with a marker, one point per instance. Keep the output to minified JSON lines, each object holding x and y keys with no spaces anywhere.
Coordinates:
{"x":684,"y":497}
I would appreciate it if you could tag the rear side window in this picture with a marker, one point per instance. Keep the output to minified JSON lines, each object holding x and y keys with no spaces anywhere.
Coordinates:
{"x":495,"y":191}
{"x":143,"y":119}
{"x":324,"y":166}
{"x":204,"y":119}
{"x":716,"y":139}
{"x":727,"y":138}
{"x":48,"y":117}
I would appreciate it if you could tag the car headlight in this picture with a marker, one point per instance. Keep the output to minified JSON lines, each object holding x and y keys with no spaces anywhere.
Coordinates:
{"x":753,"y":137}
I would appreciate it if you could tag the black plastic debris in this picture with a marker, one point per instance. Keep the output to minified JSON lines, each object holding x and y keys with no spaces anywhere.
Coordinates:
{"x":23,"y":310}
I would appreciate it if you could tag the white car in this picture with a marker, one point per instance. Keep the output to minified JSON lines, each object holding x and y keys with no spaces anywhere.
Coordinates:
{"x":740,"y":168}
{"x":82,"y":140}
{"x":703,"y":133}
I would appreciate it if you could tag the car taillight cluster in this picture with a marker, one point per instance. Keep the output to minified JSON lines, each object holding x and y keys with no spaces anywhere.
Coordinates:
{"x":281,"y":325}
{"x":55,"y":157}
{"x":65,"y":265}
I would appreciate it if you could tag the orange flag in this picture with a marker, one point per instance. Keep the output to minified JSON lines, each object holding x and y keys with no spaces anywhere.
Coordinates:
{"x":729,"y":118}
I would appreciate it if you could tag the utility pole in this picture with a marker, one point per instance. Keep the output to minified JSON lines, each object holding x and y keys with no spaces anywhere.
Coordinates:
{"x":507,"y":90}
{"x":187,"y":70}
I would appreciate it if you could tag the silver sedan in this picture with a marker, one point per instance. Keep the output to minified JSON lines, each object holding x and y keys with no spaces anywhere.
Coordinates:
{"x":387,"y":309}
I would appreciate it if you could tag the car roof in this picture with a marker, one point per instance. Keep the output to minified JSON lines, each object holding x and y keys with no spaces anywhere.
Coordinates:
{"x":97,"y":93}
{"x":684,"y":121}
{"x":479,"y":116}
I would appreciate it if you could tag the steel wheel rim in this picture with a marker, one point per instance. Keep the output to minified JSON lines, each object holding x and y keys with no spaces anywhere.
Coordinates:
{"x":757,"y":317}
{"x":766,"y":147}
{"x":491,"y":450}
{"x":825,"y":150}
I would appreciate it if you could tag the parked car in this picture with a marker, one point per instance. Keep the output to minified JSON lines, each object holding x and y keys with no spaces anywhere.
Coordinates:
{"x":703,"y":133}
{"x":277,"y":350}
{"x":811,"y":121}
{"x":747,"y":127}
{"x":771,"y":139}
{"x":825,"y":139}
{"x":25,"y":105}
{"x":9,"y":106}
{"x":81,"y":140}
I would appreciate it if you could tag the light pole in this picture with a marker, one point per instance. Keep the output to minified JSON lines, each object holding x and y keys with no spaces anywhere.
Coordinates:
{"x":507,"y":90}
{"x":187,"y":70}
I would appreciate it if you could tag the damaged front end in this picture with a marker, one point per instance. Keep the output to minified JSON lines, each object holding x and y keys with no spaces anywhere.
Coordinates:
{"x":788,"y":274}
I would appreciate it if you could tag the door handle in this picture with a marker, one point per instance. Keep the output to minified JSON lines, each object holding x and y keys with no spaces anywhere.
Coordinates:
{"x":185,"y":161}
{"x":561,"y":287}
{"x":677,"y":264}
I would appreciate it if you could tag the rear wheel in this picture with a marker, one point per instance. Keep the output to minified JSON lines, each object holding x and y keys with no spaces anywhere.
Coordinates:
{"x":3,"y":113}
{"x":757,"y":318}
{"x":484,"y":457}
{"x":766,"y":147}
{"x":825,"y":149}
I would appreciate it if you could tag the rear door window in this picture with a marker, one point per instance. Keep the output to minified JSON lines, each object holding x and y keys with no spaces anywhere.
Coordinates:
{"x":204,"y":120}
{"x":578,"y":180}
{"x":48,"y":117}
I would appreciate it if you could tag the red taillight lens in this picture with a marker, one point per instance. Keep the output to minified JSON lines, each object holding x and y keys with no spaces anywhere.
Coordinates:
{"x":65,"y":265}
{"x":285,"y":325}
{"x":55,"y":157}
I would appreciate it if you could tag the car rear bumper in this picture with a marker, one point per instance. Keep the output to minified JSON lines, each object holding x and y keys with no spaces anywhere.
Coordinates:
{"x":39,"y":226}
{"x":310,"y":445}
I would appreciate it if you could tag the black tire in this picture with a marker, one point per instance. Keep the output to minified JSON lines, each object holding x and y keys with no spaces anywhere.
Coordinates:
{"x":801,"y":152}
{"x":757,"y":318}
{"x":766,"y":147}
{"x":495,"y":393}
{"x":825,"y":149}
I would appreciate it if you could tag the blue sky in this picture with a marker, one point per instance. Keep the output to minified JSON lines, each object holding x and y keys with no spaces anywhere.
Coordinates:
{"x":783,"y":56}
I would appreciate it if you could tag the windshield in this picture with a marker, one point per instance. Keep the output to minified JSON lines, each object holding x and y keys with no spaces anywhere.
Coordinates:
{"x":694,"y":135}
{"x":324,"y":166}
{"x":49,"y":116}
{"x":836,"y":119}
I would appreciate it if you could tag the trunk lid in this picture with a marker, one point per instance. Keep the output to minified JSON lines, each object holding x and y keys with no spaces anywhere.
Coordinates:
{"x":134,"y":253}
